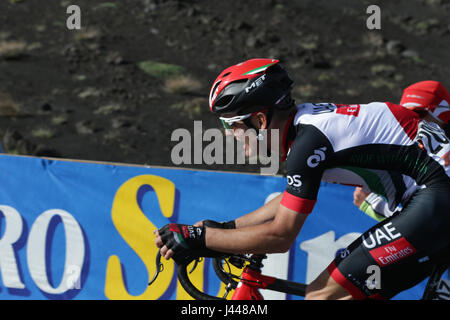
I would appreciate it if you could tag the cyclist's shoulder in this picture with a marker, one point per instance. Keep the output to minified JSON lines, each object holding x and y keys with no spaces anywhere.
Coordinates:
{"x":324,"y":107}
{"x":363,"y":122}
{"x":319,"y":113}
{"x":309,"y":144}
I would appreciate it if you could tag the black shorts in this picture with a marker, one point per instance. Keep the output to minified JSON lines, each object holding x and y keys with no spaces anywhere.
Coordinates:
{"x":399,"y":252}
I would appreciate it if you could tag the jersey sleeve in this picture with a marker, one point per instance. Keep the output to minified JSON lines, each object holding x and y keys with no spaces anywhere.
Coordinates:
{"x":376,"y":207}
{"x":310,"y":154}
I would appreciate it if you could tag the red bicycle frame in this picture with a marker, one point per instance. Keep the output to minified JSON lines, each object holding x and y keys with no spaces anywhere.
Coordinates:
{"x":250,"y":283}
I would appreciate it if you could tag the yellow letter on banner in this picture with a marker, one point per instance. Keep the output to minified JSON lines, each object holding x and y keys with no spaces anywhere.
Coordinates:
{"x":137,"y":231}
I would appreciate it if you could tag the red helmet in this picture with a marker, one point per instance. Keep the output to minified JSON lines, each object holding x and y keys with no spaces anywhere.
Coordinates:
{"x":251,"y":86}
{"x":428,"y":95}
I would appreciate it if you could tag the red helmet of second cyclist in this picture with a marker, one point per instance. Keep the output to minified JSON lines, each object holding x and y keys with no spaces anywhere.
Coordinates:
{"x":428,"y":96}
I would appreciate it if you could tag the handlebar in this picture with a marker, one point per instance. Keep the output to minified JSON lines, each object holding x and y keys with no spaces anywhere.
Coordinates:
{"x":190,"y":288}
{"x":186,"y":283}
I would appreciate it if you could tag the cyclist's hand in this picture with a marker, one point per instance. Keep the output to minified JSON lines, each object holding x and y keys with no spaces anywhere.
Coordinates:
{"x":183,"y":242}
{"x":359,"y":195}
{"x":214,"y":224}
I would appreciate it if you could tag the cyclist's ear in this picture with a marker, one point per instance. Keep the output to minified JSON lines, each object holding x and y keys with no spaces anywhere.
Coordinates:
{"x":260,"y":120}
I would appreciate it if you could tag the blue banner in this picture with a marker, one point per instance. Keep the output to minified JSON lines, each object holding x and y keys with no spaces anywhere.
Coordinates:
{"x":80,"y":230}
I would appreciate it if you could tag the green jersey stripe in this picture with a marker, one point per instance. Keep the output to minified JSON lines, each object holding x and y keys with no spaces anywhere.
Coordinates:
{"x":371,"y":178}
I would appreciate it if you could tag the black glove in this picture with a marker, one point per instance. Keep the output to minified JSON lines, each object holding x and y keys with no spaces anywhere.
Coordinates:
{"x":219,"y":225}
{"x":187,"y":242}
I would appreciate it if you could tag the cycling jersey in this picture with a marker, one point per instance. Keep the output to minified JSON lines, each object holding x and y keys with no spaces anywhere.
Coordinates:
{"x":388,"y":190}
{"x":385,"y":148}
{"x":360,"y":145}
{"x":395,"y":189}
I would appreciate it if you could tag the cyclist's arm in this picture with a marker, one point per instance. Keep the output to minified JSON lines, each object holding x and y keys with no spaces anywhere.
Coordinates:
{"x":271,"y":237}
{"x":262,"y":215}
{"x":305,"y":165}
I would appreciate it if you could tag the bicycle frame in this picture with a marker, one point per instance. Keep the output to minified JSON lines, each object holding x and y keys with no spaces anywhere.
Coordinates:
{"x":252,"y":280}
{"x":248,"y":287}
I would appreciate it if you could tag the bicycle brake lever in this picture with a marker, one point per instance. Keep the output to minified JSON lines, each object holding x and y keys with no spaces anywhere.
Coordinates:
{"x":159,"y":267}
{"x":195,"y":265}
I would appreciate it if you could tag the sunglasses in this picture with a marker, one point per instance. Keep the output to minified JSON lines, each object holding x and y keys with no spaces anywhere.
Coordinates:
{"x":228,"y":122}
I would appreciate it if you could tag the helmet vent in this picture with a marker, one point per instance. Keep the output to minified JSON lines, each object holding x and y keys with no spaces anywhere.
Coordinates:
{"x":224,"y":101}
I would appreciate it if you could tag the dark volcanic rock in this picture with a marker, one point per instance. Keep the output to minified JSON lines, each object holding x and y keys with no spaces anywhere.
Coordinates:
{"x":104,"y":90}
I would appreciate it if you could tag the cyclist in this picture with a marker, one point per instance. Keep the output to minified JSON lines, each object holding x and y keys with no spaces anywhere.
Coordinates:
{"x":319,"y":138}
{"x":431,"y":101}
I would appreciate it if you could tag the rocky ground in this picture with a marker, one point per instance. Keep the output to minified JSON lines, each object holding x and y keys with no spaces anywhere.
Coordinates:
{"x":116,"y":89}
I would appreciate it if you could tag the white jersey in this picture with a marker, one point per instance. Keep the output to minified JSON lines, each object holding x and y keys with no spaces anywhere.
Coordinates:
{"x":381,"y":147}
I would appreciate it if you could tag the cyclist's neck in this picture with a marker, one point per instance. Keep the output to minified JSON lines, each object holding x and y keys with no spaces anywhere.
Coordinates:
{"x":288,"y":134}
